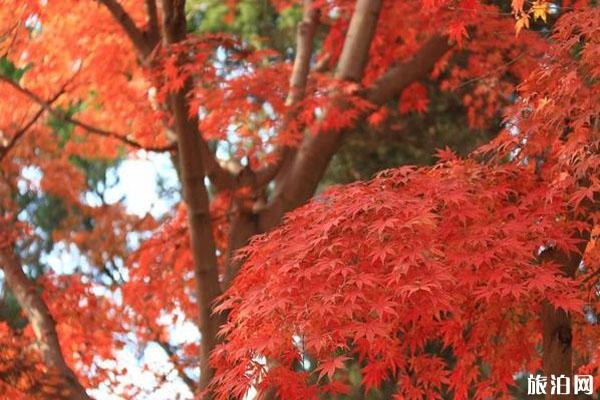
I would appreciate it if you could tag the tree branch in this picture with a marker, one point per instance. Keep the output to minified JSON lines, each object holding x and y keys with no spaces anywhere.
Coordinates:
{"x":243,"y":219}
{"x":170,"y":352}
{"x":137,"y":37}
{"x":312,"y":157}
{"x":355,"y":52}
{"x":316,"y":151}
{"x":6,"y":149}
{"x":42,"y":323}
{"x":153,"y":31}
{"x":47,"y":106}
{"x":305,"y":35}
{"x":304,"y":47}
{"x":174,"y":27}
{"x":193,"y":152}
{"x":391,"y":84}
{"x":145,"y":42}
{"x":219,"y":176}
{"x":174,"y":23}
{"x":13,"y":141}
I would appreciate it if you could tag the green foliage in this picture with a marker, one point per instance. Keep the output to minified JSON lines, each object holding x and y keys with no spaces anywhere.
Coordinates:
{"x":407,"y":139}
{"x":61,"y":129}
{"x":9,"y":70}
{"x":95,"y":171}
{"x":45,"y":212}
{"x":10,"y":310}
{"x":254,"y":21}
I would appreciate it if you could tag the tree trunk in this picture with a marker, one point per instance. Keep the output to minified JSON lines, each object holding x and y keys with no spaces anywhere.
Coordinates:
{"x":192,"y":168}
{"x":557,"y":356}
{"x":43,"y":327}
{"x":297,"y":179}
{"x":557,"y":353}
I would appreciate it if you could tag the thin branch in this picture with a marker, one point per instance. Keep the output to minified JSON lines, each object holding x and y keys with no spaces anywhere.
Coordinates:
{"x":492,"y":72}
{"x":137,"y":37}
{"x":304,"y":48}
{"x":13,"y":141}
{"x":89,"y":128}
{"x":322,"y":64}
{"x":13,"y":32}
{"x":593,"y":275}
{"x":6,"y":149}
{"x":171,"y":353}
{"x":220,"y":177}
{"x":299,"y":78}
{"x":315,"y":152}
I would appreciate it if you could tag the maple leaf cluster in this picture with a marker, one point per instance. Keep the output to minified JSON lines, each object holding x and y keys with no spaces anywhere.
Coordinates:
{"x":553,"y":127}
{"x":21,"y":371}
{"x":381,"y":270}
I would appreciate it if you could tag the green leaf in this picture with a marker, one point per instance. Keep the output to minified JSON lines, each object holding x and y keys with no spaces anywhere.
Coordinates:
{"x":9,"y":70}
{"x":61,"y":128}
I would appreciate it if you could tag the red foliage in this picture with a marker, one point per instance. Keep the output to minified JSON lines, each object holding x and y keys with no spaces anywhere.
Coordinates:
{"x":375,"y":272}
{"x":446,"y":254}
{"x":380,"y":271}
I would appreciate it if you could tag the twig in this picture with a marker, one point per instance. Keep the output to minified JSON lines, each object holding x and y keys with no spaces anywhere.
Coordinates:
{"x":90,"y":128}
{"x":135,"y":34}
{"x":6,"y":149}
{"x":481,"y":77}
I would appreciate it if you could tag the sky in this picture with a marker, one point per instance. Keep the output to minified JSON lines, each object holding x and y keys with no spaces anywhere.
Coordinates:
{"x":138,"y":185}
{"x":136,"y":181}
